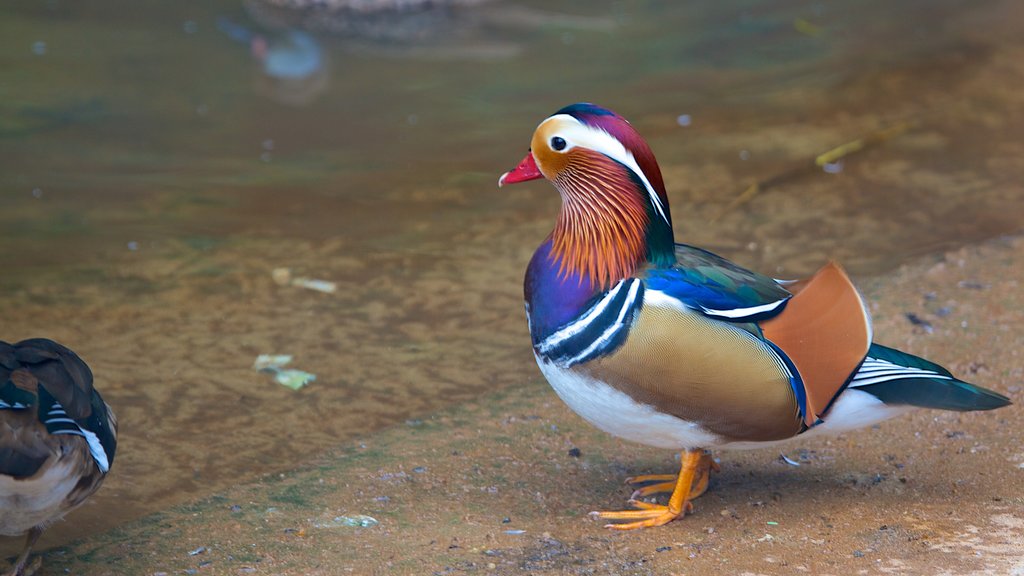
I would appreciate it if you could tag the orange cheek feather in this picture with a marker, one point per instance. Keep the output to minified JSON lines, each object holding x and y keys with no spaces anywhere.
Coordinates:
{"x":551,"y":163}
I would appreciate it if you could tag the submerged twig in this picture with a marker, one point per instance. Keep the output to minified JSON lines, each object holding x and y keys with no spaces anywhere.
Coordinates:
{"x":823,"y":160}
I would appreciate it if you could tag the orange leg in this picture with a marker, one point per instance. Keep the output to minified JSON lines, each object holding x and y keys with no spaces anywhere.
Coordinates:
{"x":650,"y":484}
{"x":691,"y":482}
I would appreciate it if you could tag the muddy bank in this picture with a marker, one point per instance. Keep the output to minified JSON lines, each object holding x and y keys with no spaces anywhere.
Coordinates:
{"x":502,"y":485}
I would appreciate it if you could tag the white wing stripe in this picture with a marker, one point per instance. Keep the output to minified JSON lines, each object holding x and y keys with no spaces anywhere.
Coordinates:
{"x":60,"y":420}
{"x":857,"y":382}
{"x":97,"y":451}
{"x":95,"y":446}
{"x":892,"y":370}
{"x":873,"y":371}
{"x":743,"y":312}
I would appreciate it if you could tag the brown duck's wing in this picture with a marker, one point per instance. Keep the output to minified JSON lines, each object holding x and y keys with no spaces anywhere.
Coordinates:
{"x":61,"y":371}
{"x":825,"y":331}
{"x":50,"y":381}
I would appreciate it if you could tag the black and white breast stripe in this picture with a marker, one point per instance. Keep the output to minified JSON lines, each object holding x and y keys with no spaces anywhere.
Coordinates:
{"x":874,"y":371}
{"x":599,"y":330}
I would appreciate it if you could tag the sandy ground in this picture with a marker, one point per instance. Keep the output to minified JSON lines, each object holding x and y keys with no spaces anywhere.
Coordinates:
{"x":160,"y":276}
{"x":503,"y":485}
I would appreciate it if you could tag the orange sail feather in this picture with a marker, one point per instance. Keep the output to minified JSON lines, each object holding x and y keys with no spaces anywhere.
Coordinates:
{"x":825,"y":331}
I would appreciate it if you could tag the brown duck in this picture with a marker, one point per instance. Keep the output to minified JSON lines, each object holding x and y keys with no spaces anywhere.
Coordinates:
{"x":57,"y":439}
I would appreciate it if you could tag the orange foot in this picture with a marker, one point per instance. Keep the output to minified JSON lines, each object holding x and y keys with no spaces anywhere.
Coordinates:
{"x":691,"y":482}
{"x":650,"y":484}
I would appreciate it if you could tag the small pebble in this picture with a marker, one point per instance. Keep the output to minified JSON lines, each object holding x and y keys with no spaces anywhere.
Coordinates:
{"x":684,"y":120}
{"x":506,"y":520}
{"x":662,"y":548}
{"x":575,"y":452}
{"x":197,"y":551}
{"x":858,"y":554}
{"x":356,"y":521}
{"x":419,"y":469}
{"x":833,"y":167}
{"x":920,"y":322}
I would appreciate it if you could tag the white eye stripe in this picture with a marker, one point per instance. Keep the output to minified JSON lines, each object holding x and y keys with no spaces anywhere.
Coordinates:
{"x":576,"y":133}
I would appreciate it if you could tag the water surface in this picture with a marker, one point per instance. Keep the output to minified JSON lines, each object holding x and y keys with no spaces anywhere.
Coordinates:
{"x":153,"y":178}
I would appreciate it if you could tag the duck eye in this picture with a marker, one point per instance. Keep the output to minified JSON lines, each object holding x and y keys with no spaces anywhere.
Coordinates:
{"x":558,"y":143}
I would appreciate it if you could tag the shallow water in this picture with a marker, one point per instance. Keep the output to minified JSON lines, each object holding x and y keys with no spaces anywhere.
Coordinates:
{"x":153,"y":177}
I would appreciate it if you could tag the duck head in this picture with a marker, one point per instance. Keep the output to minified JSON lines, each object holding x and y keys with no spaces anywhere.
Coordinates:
{"x":615,"y":214}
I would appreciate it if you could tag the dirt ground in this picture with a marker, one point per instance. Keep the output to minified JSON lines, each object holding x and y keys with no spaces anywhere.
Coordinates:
{"x":503,"y":485}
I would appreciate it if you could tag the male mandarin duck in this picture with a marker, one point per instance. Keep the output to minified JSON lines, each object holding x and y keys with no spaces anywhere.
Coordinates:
{"x":675,"y":347}
{"x":57,"y":439}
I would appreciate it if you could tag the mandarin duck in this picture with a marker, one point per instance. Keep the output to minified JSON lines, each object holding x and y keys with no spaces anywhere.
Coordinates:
{"x":675,"y":347}
{"x":57,"y":439}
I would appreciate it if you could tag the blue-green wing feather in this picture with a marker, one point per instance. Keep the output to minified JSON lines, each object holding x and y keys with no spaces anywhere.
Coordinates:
{"x":718,"y":288}
{"x":899,"y":378}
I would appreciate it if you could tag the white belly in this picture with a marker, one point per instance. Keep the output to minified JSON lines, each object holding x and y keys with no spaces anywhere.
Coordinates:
{"x":616,"y":413}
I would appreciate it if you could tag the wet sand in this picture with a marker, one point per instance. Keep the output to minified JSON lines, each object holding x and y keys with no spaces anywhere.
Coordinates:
{"x":503,"y":484}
